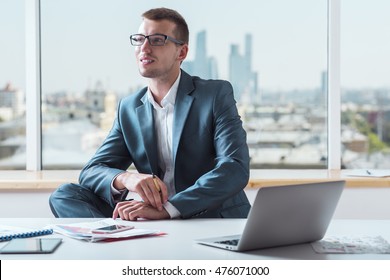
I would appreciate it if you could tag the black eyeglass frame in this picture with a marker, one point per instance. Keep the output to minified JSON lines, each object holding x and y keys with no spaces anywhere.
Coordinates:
{"x":166,"y":37}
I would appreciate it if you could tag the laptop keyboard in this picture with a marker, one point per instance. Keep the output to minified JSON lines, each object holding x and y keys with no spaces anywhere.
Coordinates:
{"x":233,"y":242}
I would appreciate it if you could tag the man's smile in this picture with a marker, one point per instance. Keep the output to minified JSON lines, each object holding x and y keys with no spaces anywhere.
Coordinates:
{"x":146,"y":60}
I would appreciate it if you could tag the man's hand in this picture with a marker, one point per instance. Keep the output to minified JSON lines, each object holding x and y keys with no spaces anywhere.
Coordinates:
{"x":151,"y":189}
{"x":134,"y":210}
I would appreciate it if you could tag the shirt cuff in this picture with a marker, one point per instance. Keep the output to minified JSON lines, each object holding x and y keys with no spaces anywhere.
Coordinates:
{"x":172,"y":210}
{"x":117,"y":195}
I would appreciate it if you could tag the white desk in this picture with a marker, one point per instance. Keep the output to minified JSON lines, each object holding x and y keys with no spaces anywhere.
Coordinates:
{"x":178,"y":243}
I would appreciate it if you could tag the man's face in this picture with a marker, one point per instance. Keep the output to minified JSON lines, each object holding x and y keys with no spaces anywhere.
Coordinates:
{"x":161,"y":62}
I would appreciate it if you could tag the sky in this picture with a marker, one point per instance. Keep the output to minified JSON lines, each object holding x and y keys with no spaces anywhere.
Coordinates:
{"x":85,"y":41}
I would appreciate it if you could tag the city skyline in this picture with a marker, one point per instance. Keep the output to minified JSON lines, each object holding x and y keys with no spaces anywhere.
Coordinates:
{"x":74,"y":54}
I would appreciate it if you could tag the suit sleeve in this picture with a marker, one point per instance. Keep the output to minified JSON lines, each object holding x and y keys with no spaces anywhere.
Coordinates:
{"x":230,"y":172}
{"x":111,"y":159}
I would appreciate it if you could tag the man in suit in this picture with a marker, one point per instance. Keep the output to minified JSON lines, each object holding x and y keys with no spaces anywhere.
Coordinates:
{"x":183,"y":135}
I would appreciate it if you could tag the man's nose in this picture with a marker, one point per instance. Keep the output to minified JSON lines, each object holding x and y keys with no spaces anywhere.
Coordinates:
{"x":146,"y":45}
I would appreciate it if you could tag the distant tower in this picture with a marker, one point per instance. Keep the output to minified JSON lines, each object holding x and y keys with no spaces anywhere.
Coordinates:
{"x":250,"y":74}
{"x":202,"y":66}
{"x":237,"y":71}
{"x":95,"y":101}
{"x":242,"y":77}
{"x":248,"y":54}
{"x":200,"y":63}
{"x":95,"y":98}
{"x":11,"y":103}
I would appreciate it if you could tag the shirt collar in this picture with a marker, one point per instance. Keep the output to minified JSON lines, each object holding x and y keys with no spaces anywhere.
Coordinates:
{"x":170,"y":98}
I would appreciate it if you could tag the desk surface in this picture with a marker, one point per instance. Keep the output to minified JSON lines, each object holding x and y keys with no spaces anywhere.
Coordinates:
{"x":178,"y":243}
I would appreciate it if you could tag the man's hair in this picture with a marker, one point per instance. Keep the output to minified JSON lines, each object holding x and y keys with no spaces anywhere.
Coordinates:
{"x":181,"y":31}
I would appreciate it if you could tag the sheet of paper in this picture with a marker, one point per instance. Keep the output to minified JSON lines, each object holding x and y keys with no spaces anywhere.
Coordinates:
{"x":352,"y":245}
{"x":83,"y":231}
{"x":378,"y":173}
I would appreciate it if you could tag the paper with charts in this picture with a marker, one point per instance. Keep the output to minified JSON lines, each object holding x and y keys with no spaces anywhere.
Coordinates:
{"x":84,"y":230}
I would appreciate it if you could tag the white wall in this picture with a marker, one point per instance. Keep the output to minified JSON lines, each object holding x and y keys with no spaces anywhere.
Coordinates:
{"x":25,"y":205}
{"x":355,"y":203}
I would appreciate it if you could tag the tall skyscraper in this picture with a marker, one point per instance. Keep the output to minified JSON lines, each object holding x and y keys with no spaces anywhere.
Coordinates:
{"x":241,"y":75}
{"x":201,"y":62}
{"x":203,"y":65}
{"x":244,"y":80}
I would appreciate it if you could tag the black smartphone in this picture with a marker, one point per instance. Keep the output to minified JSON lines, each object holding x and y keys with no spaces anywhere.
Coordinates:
{"x":31,"y":246}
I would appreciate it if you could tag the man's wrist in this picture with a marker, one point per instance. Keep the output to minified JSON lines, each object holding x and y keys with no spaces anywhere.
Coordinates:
{"x":172,"y":210}
{"x":118,"y":181}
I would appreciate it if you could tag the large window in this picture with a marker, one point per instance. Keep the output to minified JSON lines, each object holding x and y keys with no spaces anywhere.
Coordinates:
{"x":273,"y":52}
{"x":12,"y":85}
{"x":86,"y":68}
{"x":365,"y":80}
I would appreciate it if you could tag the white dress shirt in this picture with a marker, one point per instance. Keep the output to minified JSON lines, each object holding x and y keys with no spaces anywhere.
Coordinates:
{"x":163,"y":125}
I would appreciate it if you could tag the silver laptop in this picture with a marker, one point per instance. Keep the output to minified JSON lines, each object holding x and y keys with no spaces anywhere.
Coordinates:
{"x":285,"y":215}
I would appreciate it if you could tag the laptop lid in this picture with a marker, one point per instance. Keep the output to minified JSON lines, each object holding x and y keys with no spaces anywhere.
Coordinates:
{"x":286,"y":215}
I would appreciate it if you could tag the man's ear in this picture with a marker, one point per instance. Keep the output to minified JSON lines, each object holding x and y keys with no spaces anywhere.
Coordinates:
{"x":183,"y":52}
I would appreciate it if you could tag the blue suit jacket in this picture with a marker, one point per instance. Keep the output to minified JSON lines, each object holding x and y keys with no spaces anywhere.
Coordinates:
{"x":210,"y":152}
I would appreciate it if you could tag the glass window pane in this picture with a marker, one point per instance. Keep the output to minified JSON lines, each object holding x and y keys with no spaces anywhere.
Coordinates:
{"x":273,"y":52}
{"x":85,"y":69}
{"x":12,"y":86}
{"x":365,"y":81}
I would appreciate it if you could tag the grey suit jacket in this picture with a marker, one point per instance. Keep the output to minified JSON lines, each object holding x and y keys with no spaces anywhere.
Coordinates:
{"x":210,"y":152}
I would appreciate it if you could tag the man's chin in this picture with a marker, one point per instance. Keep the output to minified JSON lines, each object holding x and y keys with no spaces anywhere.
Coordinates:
{"x":148,"y":74}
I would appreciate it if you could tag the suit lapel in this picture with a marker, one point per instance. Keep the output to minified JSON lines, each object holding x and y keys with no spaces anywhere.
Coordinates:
{"x":145,"y":121}
{"x":182,"y":108}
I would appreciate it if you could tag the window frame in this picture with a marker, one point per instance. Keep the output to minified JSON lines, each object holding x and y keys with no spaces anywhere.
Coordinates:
{"x":34,"y":90}
{"x":334,"y":87}
{"x":33,"y":85}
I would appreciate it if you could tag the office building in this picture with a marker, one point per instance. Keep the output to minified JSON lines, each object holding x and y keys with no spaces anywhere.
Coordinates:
{"x":11,"y":103}
{"x":203,"y":65}
{"x":241,"y":75}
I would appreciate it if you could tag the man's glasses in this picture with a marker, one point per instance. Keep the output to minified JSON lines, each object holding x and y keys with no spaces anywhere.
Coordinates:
{"x":154,"y":40}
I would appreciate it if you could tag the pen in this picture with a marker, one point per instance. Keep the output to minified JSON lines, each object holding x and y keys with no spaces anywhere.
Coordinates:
{"x":156,"y":183}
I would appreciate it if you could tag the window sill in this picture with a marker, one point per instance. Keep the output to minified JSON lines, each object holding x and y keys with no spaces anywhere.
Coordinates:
{"x":272,"y":177}
{"x":13,"y":180}
{"x":49,"y":180}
